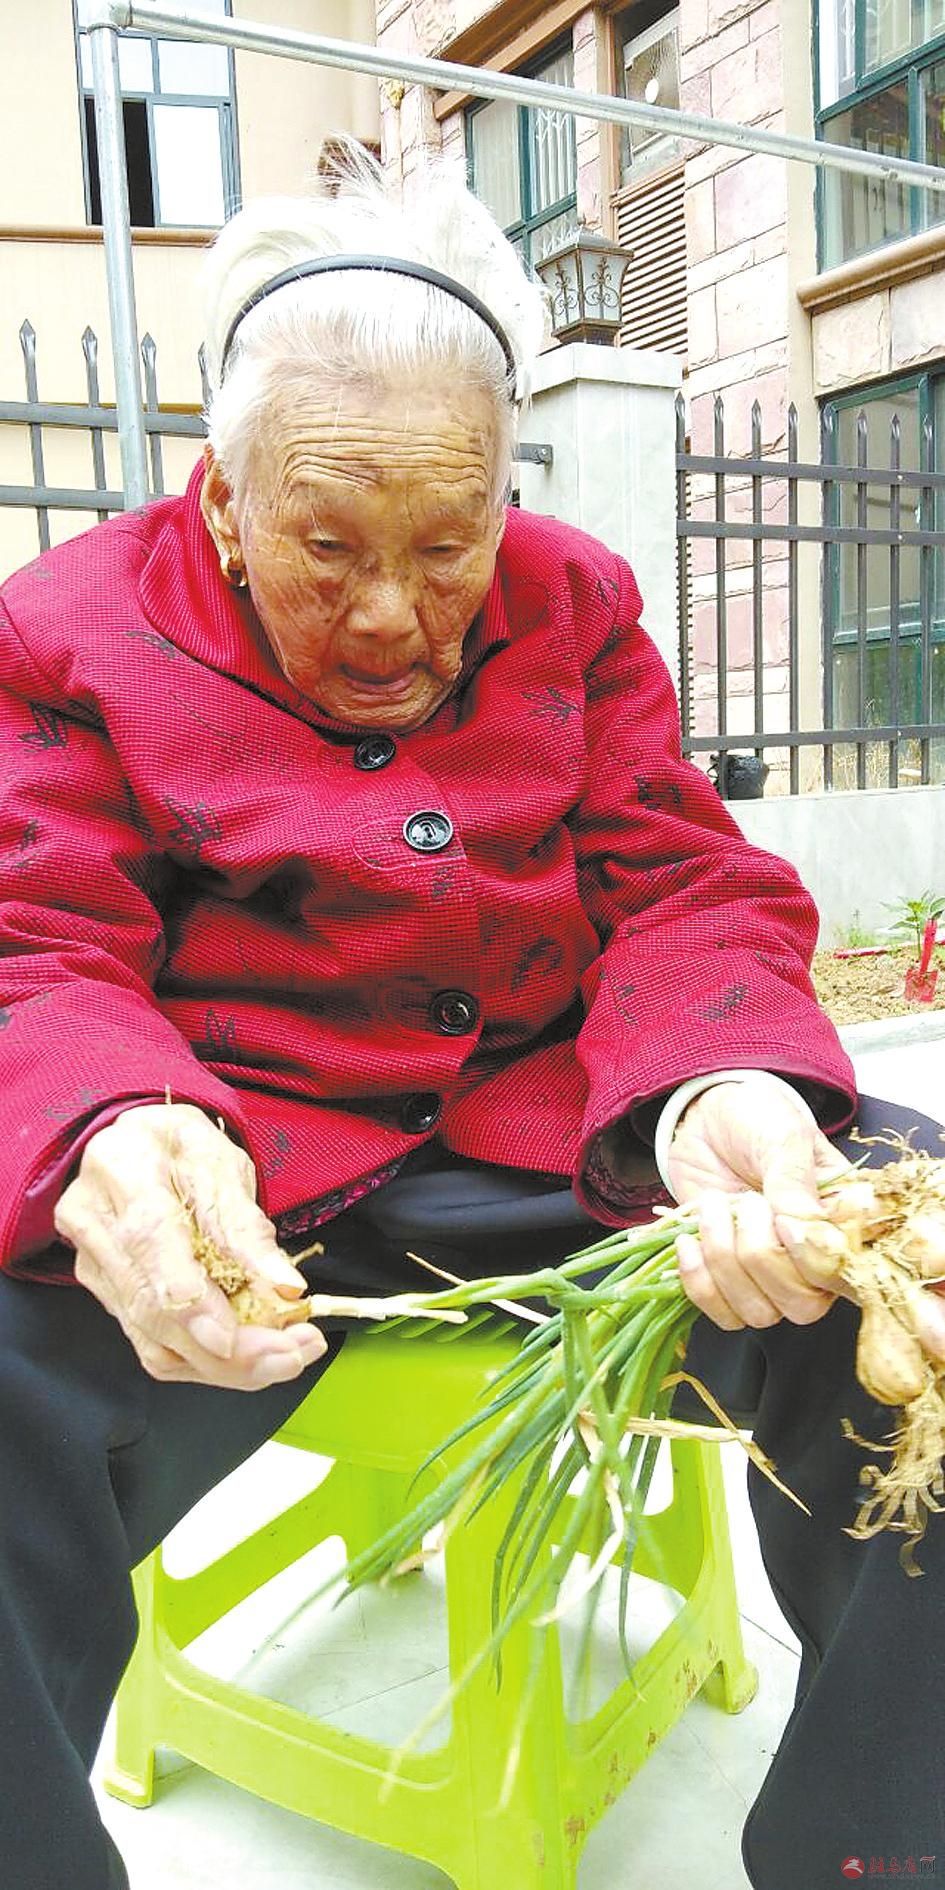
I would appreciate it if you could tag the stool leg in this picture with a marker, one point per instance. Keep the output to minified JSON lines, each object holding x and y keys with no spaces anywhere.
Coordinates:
{"x":130,"y":1775}
{"x":370,"y":1502}
{"x":734,"y":1682}
{"x":529,"y":1840}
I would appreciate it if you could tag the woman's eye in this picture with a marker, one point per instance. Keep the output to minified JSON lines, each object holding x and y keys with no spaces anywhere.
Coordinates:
{"x":441,"y":551}
{"x":329,"y":544}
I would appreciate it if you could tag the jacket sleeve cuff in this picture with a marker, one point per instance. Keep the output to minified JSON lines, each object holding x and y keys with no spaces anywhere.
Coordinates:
{"x":678,"y":1102}
{"x":35,"y":1230}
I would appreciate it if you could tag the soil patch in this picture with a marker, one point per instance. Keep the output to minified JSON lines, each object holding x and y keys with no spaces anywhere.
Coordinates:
{"x":859,"y":990}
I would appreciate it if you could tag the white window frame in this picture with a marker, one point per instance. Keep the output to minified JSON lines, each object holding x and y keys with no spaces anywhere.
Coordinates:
{"x":660,"y":150}
{"x":154,"y":98}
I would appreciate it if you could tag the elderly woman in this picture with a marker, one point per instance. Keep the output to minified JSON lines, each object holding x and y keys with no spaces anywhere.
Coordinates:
{"x":352,"y":879}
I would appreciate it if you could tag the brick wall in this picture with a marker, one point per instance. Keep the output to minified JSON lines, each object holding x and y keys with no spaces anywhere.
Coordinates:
{"x":409,"y":127}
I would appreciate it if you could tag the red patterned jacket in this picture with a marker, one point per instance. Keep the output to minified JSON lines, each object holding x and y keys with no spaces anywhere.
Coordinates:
{"x":206,"y":888}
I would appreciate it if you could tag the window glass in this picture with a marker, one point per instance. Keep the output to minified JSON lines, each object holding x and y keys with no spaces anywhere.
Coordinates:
{"x":495,"y":155}
{"x":189,"y":164}
{"x":878,"y":414}
{"x":552,"y":140}
{"x":878,"y":709}
{"x":938,"y":503}
{"x":648,"y":72}
{"x":135,"y":65}
{"x":180,"y":158}
{"x":551,"y":235}
{"x":523,"y":162}
{"x":932,"y":135}
{"x":837,"y":46}
{"x":202,"y":71}
{"x":893,"y":678}
{"x":860,"y":213}
{"x":137,"y":162}
{"x":895,"y":28}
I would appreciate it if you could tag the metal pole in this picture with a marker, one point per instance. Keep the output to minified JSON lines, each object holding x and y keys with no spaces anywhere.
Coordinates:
{"x":441,"y":75}
{"x":116,"y":231}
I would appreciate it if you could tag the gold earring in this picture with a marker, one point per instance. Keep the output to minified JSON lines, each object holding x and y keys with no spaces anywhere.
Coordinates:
{"x":233,"y":572}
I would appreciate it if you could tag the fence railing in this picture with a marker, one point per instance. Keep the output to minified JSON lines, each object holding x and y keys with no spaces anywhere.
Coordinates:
{"x":812,"y":594}
{"x":746,"y":536}
{"x":97,"y":419}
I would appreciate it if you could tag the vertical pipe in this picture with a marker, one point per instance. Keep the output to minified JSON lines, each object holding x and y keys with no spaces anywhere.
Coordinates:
{"x":757,"y":580}
{"x":829,"y":578}
{"x":895,"y":590}
{"x":794,"y":679}
{"x":862,"y":593}
{"x":116,"y":230}
{"x":682,"y":567}
{"x":721,"y":601}
{"x":926,"y":523}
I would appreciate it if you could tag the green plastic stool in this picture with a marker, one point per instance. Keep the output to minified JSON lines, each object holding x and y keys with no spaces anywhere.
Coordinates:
{"x":384,"y":1404}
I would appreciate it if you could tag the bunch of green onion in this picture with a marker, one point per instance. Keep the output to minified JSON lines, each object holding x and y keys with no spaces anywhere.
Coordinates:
{"x":584,"y":1401}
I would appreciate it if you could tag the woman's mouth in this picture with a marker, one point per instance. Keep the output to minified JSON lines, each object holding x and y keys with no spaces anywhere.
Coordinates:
{"x":365,"y":682}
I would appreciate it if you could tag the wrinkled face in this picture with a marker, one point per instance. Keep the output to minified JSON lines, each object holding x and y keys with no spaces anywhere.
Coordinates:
{"x":369,"y":536}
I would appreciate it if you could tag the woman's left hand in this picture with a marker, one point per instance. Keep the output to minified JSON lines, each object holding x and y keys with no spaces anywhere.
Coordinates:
{"x":750,"y":1159}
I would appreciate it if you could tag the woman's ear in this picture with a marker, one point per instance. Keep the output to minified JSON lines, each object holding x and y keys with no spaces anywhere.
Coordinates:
{"x":216,"y":504}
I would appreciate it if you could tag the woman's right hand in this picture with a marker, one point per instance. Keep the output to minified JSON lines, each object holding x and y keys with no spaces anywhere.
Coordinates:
{"x":125,"y":1215}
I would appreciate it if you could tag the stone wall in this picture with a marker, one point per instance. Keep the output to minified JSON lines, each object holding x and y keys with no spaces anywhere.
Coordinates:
{"x":410,"y":130}
{"x":894,"y":328}
{"x":857,"y":853}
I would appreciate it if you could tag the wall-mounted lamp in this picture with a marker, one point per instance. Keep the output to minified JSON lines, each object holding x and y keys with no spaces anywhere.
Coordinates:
{"x":584,"y":276}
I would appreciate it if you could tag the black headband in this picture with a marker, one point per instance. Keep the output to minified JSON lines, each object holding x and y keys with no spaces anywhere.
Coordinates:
{"x":393,"y":266}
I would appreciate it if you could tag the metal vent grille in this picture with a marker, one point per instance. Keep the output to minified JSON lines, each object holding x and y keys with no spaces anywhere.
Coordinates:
{"x":651,"y":222}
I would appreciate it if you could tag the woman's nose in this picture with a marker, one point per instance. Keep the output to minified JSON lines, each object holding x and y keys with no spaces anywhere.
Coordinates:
{"x":384,"y":606}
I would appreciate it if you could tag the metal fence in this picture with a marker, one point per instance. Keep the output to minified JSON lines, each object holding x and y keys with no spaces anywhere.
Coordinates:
{"x":182,"y":420}
{"x":97,"y":419}
{"x":868,"y":709}
{"x":767,"y":547}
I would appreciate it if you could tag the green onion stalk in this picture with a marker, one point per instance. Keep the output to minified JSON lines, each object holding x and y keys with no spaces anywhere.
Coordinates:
{"x":587,"y":1395}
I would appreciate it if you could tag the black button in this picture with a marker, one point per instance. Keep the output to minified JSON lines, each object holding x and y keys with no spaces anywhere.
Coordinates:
{"x":419,"y":1112}
{"x":374,"y":752}
{"x":454,"y":1013}
{"x":428,"y":832}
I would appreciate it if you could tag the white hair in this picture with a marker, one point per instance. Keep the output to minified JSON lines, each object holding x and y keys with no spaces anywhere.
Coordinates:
{"x":363,"y":327}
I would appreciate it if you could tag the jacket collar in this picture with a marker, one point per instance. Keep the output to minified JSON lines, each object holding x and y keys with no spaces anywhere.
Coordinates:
{"x":185,"y":596}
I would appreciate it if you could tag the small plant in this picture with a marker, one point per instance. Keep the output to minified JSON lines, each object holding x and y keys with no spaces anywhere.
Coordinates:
{"x":854,"y":937}
{"x":912,"y":919}
{"x":920,"y":978}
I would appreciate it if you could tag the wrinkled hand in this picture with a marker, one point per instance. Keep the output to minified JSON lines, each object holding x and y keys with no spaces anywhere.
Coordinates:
{"x":750,"y":1160}
{"x":124,"y":1215}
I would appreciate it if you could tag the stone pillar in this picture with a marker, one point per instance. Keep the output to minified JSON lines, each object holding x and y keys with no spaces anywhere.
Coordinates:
{"x":608,"y":415}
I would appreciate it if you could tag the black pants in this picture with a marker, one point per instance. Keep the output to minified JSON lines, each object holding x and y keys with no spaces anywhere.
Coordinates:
{"x":98,"y":1461}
